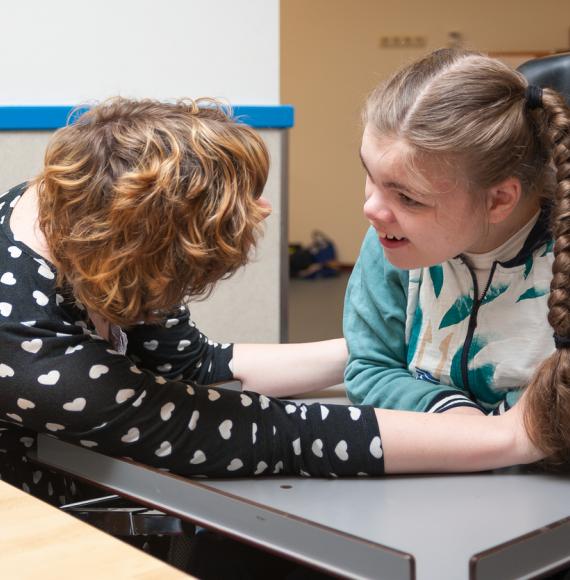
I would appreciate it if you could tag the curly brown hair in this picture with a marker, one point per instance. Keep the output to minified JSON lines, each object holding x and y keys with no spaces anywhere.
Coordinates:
{"x":144,"y":202}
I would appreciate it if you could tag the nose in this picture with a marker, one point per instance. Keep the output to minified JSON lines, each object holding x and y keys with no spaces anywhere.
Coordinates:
{"x":265,"y":206}
{"x":377,"y":210}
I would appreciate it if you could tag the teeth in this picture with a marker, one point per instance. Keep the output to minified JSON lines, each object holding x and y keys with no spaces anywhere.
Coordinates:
{"x":390,"y":237}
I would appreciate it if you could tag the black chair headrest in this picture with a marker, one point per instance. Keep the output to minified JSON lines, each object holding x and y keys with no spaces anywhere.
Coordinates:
{"x":549,"y":71}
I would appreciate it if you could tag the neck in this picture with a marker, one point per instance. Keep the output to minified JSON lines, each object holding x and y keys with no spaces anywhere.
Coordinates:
{"x":24,"y":223}
{"x":498,"y":234}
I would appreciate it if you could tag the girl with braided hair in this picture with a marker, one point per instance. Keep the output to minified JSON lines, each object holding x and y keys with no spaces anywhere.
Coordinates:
{"x":464,"y":275}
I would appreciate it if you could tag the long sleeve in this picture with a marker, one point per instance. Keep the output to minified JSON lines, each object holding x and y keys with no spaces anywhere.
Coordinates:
{"x":74,"y":386}
{"x":176,"y":349}
{"x":375,"y":330}
{"x":152,"y":403}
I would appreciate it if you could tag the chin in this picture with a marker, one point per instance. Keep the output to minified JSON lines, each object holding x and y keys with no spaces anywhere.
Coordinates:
{"x":410,"y":263}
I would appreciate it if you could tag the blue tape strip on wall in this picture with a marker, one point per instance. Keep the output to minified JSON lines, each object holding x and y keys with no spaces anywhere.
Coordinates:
{"x":43,"y":118}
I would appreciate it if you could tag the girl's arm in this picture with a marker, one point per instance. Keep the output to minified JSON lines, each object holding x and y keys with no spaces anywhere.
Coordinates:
{"x":289,"y":369}
{"x":447,"y":442}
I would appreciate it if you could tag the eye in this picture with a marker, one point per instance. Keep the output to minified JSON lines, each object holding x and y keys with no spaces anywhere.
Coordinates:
{"x":407,"y":200}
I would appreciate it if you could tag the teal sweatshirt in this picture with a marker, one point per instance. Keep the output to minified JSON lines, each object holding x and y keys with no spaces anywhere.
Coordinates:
{"x":421,"y":340}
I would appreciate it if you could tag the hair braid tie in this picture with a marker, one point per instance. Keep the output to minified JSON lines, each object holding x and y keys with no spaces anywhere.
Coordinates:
{"x":533,"y":97}
{"x":561,"y":341}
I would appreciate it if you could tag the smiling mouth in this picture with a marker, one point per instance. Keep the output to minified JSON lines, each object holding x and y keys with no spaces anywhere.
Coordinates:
{"x":390,"y":237}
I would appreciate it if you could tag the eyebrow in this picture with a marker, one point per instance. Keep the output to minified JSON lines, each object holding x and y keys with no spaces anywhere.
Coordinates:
{"x":390,"y":184}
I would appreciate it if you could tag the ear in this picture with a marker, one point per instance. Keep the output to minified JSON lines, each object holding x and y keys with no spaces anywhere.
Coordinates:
{"x":502,"y":199}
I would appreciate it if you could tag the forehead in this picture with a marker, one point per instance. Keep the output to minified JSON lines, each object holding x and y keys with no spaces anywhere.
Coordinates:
{"x":392,"y":159}
{"x":384,"y":153}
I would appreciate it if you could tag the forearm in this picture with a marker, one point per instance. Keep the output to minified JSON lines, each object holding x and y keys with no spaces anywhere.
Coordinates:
{"x":465,"y":411}
{"x":289,"y":369}
{"x":452,"y":442}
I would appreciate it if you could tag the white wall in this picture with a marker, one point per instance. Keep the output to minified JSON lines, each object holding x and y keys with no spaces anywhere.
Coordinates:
{"x":66,"y":52}
{"x":71,"y":51}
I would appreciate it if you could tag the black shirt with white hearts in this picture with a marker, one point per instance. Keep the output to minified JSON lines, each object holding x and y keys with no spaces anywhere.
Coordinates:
{"x":151,"y":403}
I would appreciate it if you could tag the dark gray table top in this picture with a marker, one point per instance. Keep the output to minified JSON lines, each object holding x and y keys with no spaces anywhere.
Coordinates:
{"x":505,"y":524}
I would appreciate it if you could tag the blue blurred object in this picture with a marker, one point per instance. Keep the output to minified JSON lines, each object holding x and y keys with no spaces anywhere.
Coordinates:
{"x":318,"y":260}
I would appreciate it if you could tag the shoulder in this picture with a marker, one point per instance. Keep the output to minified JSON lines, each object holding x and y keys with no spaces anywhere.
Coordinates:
{"x":375,"y":268}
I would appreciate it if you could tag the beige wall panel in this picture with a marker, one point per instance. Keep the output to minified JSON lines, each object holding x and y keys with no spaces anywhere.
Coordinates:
{"x":331,"y":58}
{"x":251,"y":306}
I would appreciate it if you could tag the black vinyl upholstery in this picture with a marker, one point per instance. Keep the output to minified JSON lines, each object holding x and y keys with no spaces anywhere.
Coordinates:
{"x":549,"y":71}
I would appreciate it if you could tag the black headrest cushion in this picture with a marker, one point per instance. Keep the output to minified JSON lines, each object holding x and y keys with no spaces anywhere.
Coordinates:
{"x":549,"y":71}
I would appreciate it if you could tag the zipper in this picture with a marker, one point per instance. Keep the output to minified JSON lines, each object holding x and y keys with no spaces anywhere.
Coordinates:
{"x":473,"y":318}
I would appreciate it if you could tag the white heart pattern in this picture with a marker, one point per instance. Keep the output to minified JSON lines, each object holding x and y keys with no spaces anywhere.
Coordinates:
{"x":86,"y":443}
{"x":317,"y":447}
{"x":354,"y":413}
{"x":134,"y":369}
{"x":324,"y":412}
{"x":303,"y":412}
{"x":36,"y":476}
{"x":278,"y":467}
{"x":44,"y":271}
{"x":32,"y":346}
{"x":97,"y":370}
{"x":297,"y":446}
{"x":263,"y":402}
{"x":193,"y":420}
{"x":25,"y":404}
{"x":245,"y":400}
{"x":6,"y":371}
{"x":27,"y":441}
{"x":14,"y":417}
{"x":254,"y":433}
{"x":190,"y":390}
{"x":150,"y":344}
{"x":138,"y":402}
{"x":198,"y":457}
{"x":124,"y":395}
{"x":8,"y":279}
{"x":54,"y":427}
{"x":14,"y":251}
{"x":341,"y":450}
{"x":40,"y":298}
{"x":72,"y":349}
{"x":49,"y":379}
{"x":376,"y":447}
{"x":166,"y":411}
{"x":131,"y":436}
{"x":171,"y":322}
{"x":261,"y":467}
{"x":235,"y":464}
{"x":225,"y":429}
{"x":5,"y":308}
{"x":290,"y":408}
{"x":164,"y":450}
{"x":183,"y":344}
{"x":75,"y":405}
{"x":213,"y":395}
{"x":164,"y":368}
